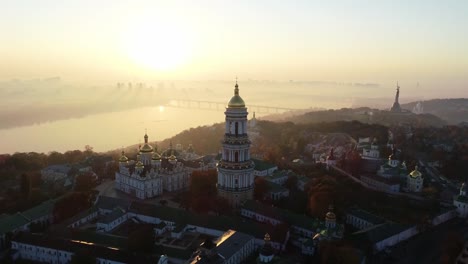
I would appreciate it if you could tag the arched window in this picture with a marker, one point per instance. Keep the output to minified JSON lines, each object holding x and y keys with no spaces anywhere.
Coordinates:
{"x":237,"y":128}
{"x":236,"y":156}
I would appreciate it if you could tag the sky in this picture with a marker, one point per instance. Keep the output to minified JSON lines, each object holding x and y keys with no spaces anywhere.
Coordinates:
{"x":422,"y":41}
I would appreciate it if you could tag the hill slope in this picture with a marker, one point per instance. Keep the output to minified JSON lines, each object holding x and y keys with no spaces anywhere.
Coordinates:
{"x":454,"y":111}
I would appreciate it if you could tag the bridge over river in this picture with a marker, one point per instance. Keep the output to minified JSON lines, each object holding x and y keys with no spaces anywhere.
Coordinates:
{"x":217,"y":106}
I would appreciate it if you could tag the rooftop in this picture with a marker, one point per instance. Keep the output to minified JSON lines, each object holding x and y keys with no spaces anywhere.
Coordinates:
{"x":362,"y":214}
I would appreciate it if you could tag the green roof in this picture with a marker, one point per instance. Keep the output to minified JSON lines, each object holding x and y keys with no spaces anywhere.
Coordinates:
{"x":43,"y":209}
{"x":115,"y":214}
{"x":261,"y":165}
{"x":9,"y":223}
{"x":461,"y":198}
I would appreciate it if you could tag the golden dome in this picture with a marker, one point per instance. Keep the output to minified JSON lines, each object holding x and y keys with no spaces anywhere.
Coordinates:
{"x":330,"y":216}
{"x":156,"y":156}
{"x":146,"y":148}
{"x":236,"y":100}
{"x":415,"y":173}
{"x":139,"y":164}
{"x":172,"y":157}
{"x":123,"y":158}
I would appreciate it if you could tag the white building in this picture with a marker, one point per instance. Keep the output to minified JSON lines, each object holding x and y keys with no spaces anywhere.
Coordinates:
{"x":232,"y":247}
{"x":371,"y":151}
{"x":55,"y":173}
{"x":151,"y":174}
{"x":361,"y":219}
{"x":461,"y":201}
{"x":236,"y":169}
{"x":56,"y":251}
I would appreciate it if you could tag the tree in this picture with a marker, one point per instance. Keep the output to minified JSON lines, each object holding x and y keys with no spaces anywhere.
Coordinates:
{"x":260,"y":188}
{"x":83,"y":182}
{"x":142,"y":240}
{"x":222,"y":206}
{"x":25,"y":184}
{"x":70,"y":205}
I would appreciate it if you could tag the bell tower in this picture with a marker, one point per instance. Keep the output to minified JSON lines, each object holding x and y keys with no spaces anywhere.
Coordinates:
{"x":235,"y":169}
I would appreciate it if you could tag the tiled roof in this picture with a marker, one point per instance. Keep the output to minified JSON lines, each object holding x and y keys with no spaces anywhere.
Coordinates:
{"x":43,"y":209}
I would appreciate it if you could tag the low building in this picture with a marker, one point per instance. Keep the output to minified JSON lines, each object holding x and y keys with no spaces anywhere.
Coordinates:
{"x":361,"y":219}
{"x":279,"y":177}
{"x":112,"y":220}
{"x":36,"y":248}
{"x":390,"y":185}
{"x":384,"y":235}
{"x":263,"y":168}
{"x":55,"y":173}
{"x":460,"y":201}
{"x":232,"y":247}
{"x":276,"y":191}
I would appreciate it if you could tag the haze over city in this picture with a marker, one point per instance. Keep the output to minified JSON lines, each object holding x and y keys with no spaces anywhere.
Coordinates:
{"x":263,"y":132}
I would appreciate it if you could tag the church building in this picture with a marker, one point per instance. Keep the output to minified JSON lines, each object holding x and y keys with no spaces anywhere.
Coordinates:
{"x":236,"y":169}
{"x":151,"y":173}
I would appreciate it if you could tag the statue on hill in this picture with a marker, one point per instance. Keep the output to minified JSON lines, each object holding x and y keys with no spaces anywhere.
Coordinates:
{"x":396,"y":105}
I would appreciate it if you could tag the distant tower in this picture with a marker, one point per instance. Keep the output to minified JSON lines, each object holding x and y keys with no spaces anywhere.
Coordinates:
{"x":396,"y":105}
{"x":235,"y":169}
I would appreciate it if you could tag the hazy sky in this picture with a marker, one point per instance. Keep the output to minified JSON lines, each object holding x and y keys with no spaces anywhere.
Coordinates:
{"x":368,"y":41}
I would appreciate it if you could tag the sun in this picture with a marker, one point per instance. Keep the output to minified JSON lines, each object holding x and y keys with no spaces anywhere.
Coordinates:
{"x":157,"y":44}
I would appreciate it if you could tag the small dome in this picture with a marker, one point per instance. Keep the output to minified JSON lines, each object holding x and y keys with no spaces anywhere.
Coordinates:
{"x":330,"y":216}
{"x":236,"y":100}
{"x":139,"y":164}
{"x":172,"y":157}
{"x":123,"y":158}
{"x":156,"y":156}
{"x":415,"y":173}
{"x":146,"y":148}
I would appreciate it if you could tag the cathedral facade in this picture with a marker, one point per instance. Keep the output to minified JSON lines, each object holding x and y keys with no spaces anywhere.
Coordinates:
{"x":151,"y":174}
{"x":235,"y":169}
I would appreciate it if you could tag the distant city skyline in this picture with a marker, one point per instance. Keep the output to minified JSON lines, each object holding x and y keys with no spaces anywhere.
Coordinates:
{"x":351,"y":41}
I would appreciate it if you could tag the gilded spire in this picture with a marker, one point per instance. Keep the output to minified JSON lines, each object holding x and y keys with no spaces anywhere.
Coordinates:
{"x":146,"y":137}
{"x":236,"y":89}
